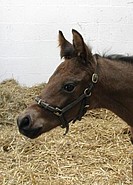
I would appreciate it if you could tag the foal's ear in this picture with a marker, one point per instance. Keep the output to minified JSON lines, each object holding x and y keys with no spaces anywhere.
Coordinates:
{"x":80,"y":47}
{"x":66,"y":48}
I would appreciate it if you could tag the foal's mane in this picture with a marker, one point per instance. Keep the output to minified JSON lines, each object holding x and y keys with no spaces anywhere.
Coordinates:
{"x":118,"y":57}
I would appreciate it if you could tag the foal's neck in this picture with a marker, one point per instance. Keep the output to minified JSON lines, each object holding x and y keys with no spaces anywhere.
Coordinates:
{"x":114,"y":90}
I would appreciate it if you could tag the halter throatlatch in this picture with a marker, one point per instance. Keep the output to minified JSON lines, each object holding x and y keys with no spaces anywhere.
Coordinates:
{"x":60,"y":112}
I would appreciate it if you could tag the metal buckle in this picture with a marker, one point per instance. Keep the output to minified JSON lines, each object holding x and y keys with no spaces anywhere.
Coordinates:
{"x":38,"y":100}
{"x":58,"y":112}
{"x":94,"y":78}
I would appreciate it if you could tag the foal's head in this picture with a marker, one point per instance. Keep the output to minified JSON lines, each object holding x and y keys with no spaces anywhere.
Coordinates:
{"x":61,"y":100}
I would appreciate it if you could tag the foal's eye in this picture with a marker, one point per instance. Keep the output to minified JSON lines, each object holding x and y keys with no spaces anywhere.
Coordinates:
{"x":69,"y":87}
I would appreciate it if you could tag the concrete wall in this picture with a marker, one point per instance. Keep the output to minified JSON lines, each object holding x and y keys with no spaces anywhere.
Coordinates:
{"x":29,"y":33}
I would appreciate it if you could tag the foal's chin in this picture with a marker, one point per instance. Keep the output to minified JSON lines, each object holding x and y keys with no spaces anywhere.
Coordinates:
{"x":31,"y":133}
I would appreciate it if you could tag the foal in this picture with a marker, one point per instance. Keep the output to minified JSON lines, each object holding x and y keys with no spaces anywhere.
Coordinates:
{"x":83,"y":81}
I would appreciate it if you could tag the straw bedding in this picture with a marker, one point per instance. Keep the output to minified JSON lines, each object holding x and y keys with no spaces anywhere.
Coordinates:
{"x":96,"y":151}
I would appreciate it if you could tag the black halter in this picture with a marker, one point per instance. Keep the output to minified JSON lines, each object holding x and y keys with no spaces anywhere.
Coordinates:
{"x":60,"y":112}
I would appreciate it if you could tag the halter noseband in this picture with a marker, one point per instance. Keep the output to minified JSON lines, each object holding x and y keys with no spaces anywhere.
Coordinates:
{"x":60,"y":112}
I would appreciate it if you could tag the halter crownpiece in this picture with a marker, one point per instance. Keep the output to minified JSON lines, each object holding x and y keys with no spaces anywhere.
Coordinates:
{"x":82,"y":98}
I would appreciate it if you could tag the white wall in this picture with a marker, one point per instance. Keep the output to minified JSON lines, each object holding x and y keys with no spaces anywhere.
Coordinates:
{"x":29,"y":31}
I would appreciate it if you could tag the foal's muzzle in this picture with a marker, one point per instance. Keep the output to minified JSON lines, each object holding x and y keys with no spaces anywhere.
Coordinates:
{"x":25,"y":127}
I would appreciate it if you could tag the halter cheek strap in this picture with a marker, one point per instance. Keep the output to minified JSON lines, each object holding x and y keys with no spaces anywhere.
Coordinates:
{"x":60,"y":113}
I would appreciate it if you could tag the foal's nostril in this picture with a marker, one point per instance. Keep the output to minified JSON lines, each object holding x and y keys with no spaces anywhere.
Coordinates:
{"x":24,"y":123}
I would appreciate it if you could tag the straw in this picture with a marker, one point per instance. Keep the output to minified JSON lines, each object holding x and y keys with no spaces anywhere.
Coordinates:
{"x":96,"y":151}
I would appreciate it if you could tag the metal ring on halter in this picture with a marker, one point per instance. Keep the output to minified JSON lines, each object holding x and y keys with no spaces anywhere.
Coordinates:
{"x":86,"y":93}
{"x":94,"y":78}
